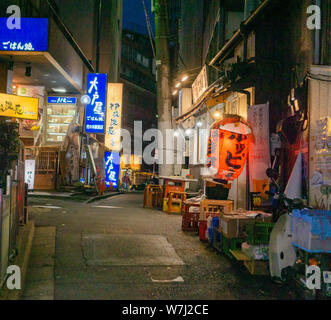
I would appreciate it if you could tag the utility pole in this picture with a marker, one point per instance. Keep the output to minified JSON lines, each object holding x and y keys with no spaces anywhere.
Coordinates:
{"x":99,"y":17}
{"x":163,"y":82}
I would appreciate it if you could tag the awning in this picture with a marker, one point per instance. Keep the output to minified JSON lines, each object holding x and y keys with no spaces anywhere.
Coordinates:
{"x":209,"y":99}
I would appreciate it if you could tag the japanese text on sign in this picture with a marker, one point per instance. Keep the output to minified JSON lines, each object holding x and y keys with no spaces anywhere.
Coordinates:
{"x":114,"y":116}
{"x":95,"y":111}
{"x":112,"y":165}
{"x":32,"y":36}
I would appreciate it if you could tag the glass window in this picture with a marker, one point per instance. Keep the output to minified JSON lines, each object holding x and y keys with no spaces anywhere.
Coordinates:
{"x":59,"y":117}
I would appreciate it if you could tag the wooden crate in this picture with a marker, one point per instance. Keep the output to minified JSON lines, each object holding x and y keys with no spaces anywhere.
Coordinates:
{"x":257,"y":267}
{"x":240,"y":256}
{"x":152,"y":196}
{"x":214,"y":208}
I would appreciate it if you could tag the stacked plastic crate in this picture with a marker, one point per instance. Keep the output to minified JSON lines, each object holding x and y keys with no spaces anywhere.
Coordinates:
{"x":311,"y":230}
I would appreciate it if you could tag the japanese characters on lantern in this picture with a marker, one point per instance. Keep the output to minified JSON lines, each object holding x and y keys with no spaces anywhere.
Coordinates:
{"x":228,"y":148}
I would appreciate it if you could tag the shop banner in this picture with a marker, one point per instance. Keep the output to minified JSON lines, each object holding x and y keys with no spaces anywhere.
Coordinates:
{"x":112,"y":168}
{"x":200,"y":85}
{"x":259,"y":153}
{"x":18,"y":107}
{"x":28,"y":127}
{"x":30,"y":167}
{"x":114,"y":116}
{"x":96,"y":109}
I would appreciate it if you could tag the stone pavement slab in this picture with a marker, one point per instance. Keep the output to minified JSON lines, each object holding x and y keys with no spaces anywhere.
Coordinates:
{"x":129,"y":249}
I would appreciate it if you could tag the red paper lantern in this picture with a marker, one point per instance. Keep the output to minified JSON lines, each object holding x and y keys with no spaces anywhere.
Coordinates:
{"x":228,"y":147}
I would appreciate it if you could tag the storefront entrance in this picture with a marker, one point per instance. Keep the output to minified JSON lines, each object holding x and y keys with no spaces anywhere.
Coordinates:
{"x":46,"y":169}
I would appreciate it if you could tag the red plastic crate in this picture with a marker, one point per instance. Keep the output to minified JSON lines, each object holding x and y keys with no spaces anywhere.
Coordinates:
{"x":202,"y":230}
{"x":190,"y":220}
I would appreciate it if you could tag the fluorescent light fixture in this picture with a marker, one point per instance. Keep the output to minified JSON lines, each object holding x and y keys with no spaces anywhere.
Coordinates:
{"x":178,"y":85}
{"x":184,"y":77}
{"x":60,"y":90}
{"x":174,"y":92}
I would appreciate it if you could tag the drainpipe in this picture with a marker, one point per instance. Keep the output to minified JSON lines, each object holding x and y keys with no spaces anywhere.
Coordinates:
{"x":317,"y":50}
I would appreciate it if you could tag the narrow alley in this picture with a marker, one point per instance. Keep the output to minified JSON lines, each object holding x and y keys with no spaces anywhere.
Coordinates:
{"x":115,"y":249}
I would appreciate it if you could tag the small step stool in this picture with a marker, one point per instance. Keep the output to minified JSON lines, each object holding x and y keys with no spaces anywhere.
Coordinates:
{"x":175,"y":202}
{"x":255,"y":267}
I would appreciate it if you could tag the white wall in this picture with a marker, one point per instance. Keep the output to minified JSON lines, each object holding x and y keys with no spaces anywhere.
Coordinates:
{"x":319,"y":108}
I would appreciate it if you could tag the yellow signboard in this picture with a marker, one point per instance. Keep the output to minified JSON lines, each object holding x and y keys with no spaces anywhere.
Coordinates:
{"x":114,"y":116}
{"x":18,"y":107}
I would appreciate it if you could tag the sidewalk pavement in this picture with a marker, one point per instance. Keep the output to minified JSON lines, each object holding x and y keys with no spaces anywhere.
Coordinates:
{"x":24,"y":244}
{"x":40,"y":276}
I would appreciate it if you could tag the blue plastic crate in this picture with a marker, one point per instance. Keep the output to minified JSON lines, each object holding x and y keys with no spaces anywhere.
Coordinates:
{"x":210,"y":235}
{"x":311,"y":230}
{"x":215,"y":222}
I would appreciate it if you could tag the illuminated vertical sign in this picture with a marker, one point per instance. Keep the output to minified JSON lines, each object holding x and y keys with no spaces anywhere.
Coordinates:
{"x":114,"y":116}
{"x":96,"y":109}
{"x":112,"y":168}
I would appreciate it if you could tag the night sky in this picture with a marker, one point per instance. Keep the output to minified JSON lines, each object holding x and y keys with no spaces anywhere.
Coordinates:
{"x":133,"y":13}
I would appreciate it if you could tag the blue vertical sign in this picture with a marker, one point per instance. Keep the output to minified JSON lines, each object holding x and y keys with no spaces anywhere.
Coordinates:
{"x":96,"y":110}
{"x":112,"y":168}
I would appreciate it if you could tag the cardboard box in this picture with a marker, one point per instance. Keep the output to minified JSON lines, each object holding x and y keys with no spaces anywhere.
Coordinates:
{"x":263,"y":217}
{"x":233,"y":226}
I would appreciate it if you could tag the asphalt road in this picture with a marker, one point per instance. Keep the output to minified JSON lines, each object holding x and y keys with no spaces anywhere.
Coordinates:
{"x":115,"y":249}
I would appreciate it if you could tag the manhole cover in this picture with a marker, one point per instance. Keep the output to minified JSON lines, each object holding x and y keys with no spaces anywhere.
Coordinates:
{"x":129,"y":250}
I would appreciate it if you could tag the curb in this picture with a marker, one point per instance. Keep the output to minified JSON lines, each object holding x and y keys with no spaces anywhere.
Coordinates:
{"x":73,"y":198}
{"x":24,"y":245}
{"x":50,"y":197}
{"x":103,"y":197}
